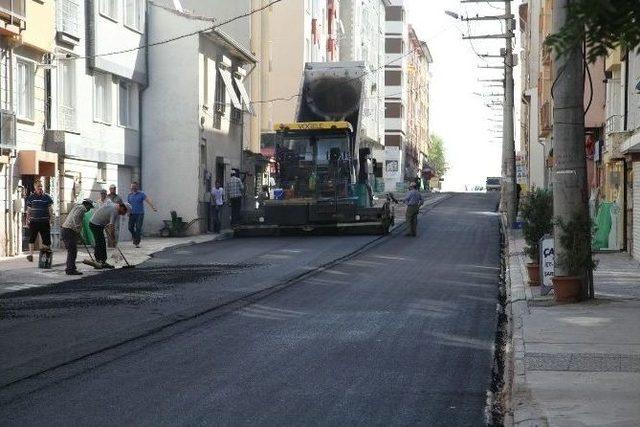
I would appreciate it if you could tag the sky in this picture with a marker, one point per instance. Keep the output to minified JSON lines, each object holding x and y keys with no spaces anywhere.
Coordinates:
{"x":461,"y":118}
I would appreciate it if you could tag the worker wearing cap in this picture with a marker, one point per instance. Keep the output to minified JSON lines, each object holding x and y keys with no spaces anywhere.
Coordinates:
{"x":71,"y":229}
{"x":413,"y":200}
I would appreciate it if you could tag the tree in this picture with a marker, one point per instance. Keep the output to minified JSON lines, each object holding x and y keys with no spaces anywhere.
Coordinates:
{"x":601,"y":24}
{"x":436,"y":157}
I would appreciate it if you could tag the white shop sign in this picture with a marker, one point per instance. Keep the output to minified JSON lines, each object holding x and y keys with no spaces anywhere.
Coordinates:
{"x":547,"y":264}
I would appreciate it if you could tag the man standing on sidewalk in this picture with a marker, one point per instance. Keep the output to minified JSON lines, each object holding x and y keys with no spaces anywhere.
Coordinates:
{"x":413,"y":200}
{"x":217,"y":200}
{"x":113,"y":196}
{"x":234,"y":192}
{"x":136,"y":199}
{"x":71,"y":229}
{"x":105,"y":218}
{"x":39,"y":218}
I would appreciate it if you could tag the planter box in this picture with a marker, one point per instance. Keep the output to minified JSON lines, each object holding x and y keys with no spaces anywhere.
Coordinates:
{"x":566,"y":289}
{"x":533,"y":269}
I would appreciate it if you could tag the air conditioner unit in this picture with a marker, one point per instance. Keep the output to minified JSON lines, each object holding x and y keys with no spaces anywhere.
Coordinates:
{"x":7,"y":129}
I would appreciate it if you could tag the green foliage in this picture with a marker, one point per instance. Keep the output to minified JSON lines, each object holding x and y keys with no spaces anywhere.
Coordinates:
{"x":436,"y":157}
{"x":603,"y":24}
{"x":537,"y":214}
{"x":575,"y":239}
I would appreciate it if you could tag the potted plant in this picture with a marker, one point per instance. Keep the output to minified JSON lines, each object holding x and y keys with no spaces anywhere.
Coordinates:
{"x":537,"y":217}
{"x":576,"y":259}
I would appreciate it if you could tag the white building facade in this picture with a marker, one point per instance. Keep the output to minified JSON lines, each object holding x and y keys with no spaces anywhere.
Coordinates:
{"x":202,"y":103}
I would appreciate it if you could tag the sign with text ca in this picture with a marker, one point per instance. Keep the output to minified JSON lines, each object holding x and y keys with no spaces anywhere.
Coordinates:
{"x":547,"y":264}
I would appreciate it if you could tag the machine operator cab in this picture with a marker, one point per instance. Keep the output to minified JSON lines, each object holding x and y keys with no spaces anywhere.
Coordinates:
{"x":315,"y":161}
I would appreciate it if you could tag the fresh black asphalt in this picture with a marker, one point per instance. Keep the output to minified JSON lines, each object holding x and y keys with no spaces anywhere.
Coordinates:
{"x":400,"y":334}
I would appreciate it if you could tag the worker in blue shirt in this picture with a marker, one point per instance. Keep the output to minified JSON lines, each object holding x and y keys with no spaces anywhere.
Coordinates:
{"x":413,"y":200}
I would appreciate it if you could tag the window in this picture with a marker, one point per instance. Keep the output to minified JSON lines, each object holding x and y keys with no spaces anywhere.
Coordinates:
{"x":393,"y":77}
{"x":102,"y":173}
{"x":394,"y":45}
{"x":102,"y":97}
{"x":394,"y":13}
{"x":219,"y":102}
{"x":67,"y":94}
{"x":109,"y":8}
{"x":24,"y":90}
{"x":134,"y":14}
{"x":67,"y":17}
{"x":127,"y":102}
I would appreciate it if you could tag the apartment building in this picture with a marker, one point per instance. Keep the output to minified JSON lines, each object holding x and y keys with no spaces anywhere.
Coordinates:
{"x":620,"y":152}
{"x":26,"y":45}
{"x":98,"y":72}
{"x":202,"y":104}
{"x":301,"y":31}
{"x":362,"y":39}
{"x":397,"y":168}
{"x":418,"y":79}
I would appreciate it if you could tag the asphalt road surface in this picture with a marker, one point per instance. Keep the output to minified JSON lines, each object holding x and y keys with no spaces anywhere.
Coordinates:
{"x":390,"y":331}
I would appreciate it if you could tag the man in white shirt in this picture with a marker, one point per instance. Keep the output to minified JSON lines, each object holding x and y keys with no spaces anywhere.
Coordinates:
{"x":103,"y":218}
{"x":217,"y":201}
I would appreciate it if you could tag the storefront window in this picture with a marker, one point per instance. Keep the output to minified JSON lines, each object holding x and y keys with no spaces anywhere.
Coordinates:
{"x":609,"y":220}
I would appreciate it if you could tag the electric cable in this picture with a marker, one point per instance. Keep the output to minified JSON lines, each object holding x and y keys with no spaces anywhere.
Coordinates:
{"x":175,"y":38}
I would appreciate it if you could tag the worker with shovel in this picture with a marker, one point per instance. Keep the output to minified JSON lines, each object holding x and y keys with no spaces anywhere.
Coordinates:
{"x":71,"y":229}
{"x":105,"y":219}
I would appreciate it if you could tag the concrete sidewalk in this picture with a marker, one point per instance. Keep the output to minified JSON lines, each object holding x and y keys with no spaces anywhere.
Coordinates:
{"x":575,"y":364}
{"x":17,"y":273}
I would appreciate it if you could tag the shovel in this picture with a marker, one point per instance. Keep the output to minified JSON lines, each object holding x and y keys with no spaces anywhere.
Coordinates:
{"x":125,"y":260}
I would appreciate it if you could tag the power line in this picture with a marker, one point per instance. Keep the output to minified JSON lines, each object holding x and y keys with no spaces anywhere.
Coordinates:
{"x":182,"y":36}
{"x":374,"y":71}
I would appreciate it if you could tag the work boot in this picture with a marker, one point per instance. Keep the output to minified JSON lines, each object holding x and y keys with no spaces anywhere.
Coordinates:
{"x":73,"y":273}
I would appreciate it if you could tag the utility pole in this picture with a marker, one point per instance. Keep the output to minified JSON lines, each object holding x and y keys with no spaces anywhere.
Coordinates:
{"x":570,"y":195}
{"x":508,"y":143}
{"x":508,"y":188}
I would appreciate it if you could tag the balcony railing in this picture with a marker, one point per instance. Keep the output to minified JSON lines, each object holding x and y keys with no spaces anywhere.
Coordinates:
{"x":15,"y":8}
{"x":613,"y":124}
{"x":67,"y":15}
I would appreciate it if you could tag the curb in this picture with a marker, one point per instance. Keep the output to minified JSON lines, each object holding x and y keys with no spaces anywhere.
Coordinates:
{"x":520,"y":407}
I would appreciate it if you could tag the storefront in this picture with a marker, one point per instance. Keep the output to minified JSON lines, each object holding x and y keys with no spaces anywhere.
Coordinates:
{"x":609,"y":216}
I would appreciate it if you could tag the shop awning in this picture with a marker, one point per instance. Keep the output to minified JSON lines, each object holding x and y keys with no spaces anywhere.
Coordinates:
{"x":226,"y":77}
{"x":34,"y":162}
{"x":244,"y":95}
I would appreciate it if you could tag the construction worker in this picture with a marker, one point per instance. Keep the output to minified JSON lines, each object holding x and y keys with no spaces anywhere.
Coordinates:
{"x":413,"y":200}
{"x":105,"y":218}
{"x":71,"y":229}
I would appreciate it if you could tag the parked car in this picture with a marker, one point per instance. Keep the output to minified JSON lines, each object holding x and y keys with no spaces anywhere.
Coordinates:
{"x":493,"y":183}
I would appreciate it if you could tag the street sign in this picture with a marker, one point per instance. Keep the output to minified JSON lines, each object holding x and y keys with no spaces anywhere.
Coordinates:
{"x":547,"y":264}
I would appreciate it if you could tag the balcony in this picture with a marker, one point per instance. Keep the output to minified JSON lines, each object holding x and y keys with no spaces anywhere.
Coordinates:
{"x":613,"y":124}
{"x":12,"y":16}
